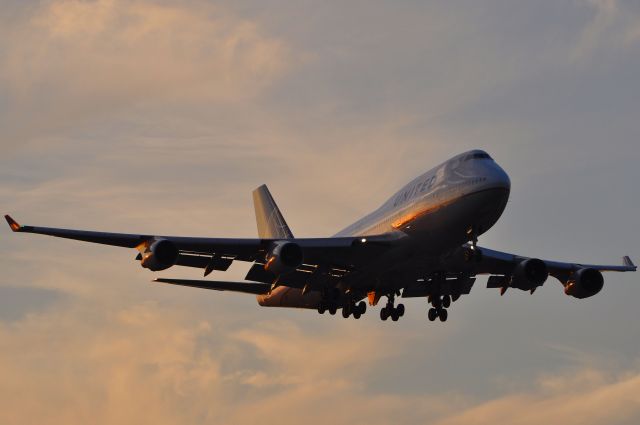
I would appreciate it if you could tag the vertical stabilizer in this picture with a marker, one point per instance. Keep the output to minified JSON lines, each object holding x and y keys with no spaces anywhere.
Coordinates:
{"x":271,"y":224}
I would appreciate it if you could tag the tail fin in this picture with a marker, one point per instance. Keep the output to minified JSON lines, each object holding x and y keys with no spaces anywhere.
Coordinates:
{"x":271,"y":224}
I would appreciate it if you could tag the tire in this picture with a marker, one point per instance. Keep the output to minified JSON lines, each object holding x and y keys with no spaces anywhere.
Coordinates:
{"x":356,"y":315}
{"x":362,"y":307}
{"x":332,"y":310}
{"x":432,"y":314}
{"x":394,"y":315}
{"x":400,"y":310}
{"x":321,"y":309}
{"x":446,"y":301}
{"x":443,"y":315}
{"x":384,"y":314}
{"x":345,"y":312}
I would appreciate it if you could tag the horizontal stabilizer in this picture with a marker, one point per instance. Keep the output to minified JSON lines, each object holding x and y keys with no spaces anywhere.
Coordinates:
{"x":627,"y":261}
{"x":243,"y":287}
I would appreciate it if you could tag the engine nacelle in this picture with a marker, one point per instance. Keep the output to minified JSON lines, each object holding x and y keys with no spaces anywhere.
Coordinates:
{"x":283,"y":257}
{"x":584,"y":283}
{"x":529,"y":274}
{"x":160,"y":255}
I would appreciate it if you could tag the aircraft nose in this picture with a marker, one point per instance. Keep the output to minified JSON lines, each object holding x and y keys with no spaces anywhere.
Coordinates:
{"x":502,"y":179}
{"x":498,"y":178}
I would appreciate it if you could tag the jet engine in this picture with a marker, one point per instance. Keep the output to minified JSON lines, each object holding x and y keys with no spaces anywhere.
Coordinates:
{"x":584,"y":283}
{"x":529,"y":274}
{"x":160,"y":255}
{"x":283,"y":257}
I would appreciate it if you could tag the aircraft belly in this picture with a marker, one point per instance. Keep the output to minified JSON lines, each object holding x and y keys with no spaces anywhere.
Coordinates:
{"x":284,"y":296}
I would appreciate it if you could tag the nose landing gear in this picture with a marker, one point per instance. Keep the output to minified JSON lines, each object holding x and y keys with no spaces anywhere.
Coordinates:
{"x":472,"y":253}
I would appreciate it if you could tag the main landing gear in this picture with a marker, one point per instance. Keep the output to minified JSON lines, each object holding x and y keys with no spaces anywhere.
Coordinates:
{"x":329,"y":301}
{"x":351,"y":309}
{"x":389,"y":311}
{"x":439,"y":309}
{"x":354,"y":309}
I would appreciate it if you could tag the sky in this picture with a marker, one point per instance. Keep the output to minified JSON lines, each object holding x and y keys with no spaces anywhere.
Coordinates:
{"x":162,"y":117}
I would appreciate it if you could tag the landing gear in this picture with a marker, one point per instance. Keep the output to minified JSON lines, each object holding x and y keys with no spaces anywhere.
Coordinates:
{"x":357,"y":310}
{"x":434,"y":313}
{"x":439,"y":308}
{"x":346,"y":311}
{"x":389,"y":310}
{"x":473,"y":253}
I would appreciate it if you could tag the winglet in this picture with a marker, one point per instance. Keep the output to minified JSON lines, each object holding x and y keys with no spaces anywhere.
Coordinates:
{"x":627,"y":261}
{"x":12,"y":223}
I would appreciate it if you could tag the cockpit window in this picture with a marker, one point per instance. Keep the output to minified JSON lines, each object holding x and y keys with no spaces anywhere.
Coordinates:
{"x":479,"y":155}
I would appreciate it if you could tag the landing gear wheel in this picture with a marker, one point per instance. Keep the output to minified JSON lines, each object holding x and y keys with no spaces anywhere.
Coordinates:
{"x":332,"y":310}
{"x":443,"y":314}
{"x":400,"y":310}
{"x":345,"y":312}
{"x":321,"y":309}
{"x":446,"y":301}
{"x":394,"y":315}
{"x":432,"y":314}
{"x":356,"y":315}
{"x":361,"y":308}
{"x":384,"y":314}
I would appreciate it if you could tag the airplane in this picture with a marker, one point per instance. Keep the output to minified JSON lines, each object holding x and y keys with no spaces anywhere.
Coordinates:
{"x":422,"y":242}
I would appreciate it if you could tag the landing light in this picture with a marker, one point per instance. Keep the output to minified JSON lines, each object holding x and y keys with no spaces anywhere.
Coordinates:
{"x":363,"y":240}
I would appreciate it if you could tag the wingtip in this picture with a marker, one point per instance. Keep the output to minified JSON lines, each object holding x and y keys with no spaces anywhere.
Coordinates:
{"x":12,"y":223}
{"x":627,"y":261}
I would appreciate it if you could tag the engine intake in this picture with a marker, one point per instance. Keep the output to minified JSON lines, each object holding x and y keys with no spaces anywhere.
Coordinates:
{"x":529,"y":274}
{"x":160,"y":255}
{"x":584,"y":283}
{"x":284,"y":257}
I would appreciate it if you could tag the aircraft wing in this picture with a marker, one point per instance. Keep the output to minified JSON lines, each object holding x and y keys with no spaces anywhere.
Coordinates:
{"x":503,"y":268}
{"x":197,"y":252}
{"x":497,"y":262}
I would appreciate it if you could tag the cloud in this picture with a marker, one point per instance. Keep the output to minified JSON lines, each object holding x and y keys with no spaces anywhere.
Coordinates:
{"x":582,"y":397}
{"x":146,"y":361}
{"x":70,"y":61}
{"x":612,"y":26}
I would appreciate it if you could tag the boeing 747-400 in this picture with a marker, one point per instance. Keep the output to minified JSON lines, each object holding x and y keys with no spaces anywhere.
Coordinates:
{"x":422,"y":242}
